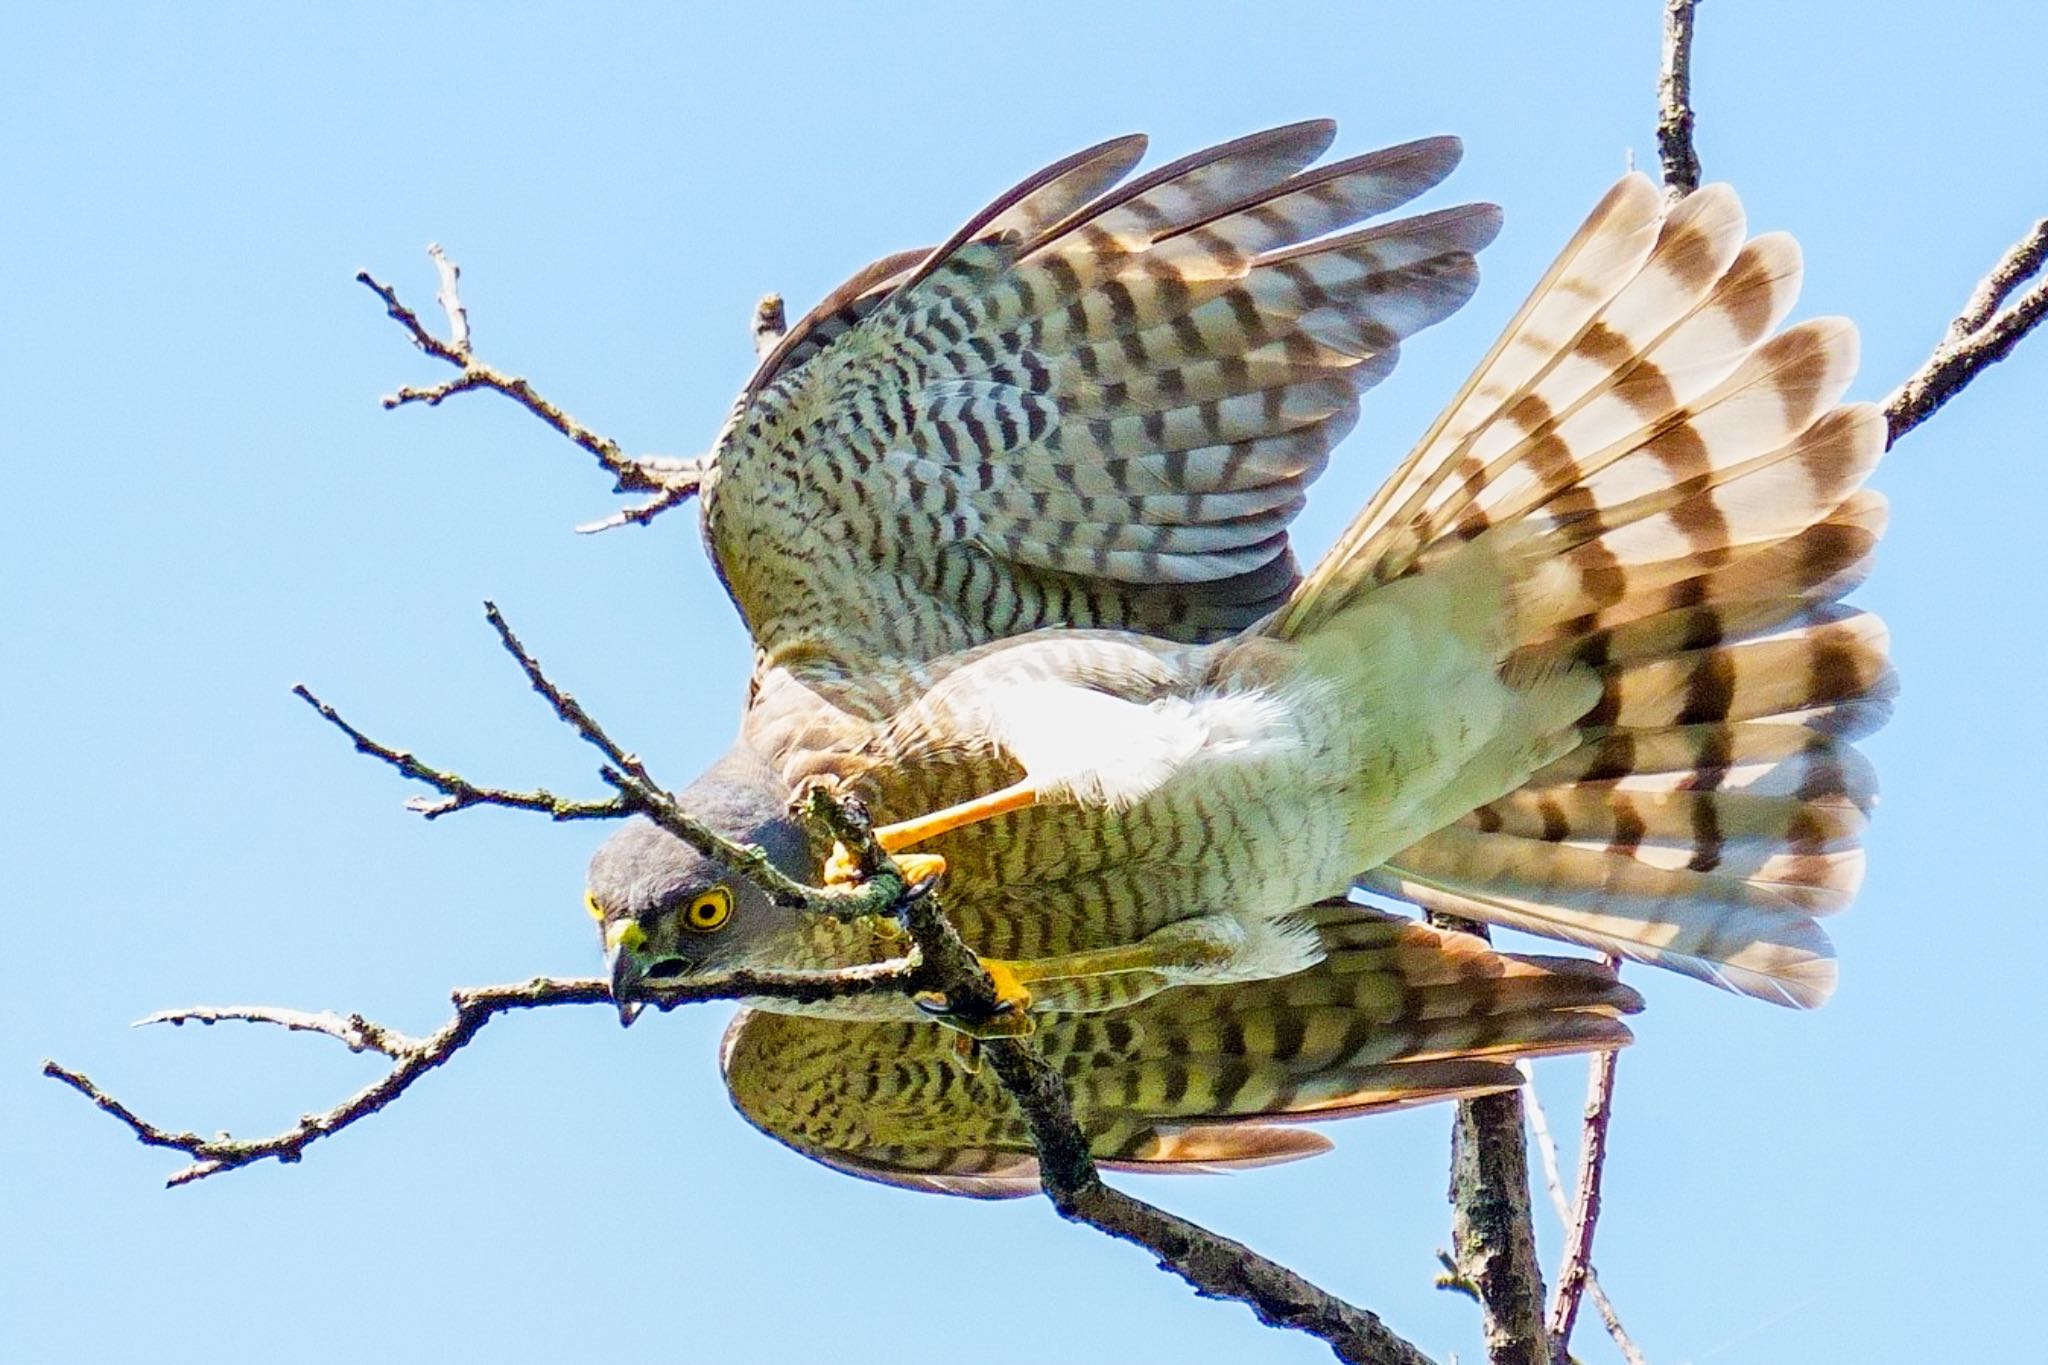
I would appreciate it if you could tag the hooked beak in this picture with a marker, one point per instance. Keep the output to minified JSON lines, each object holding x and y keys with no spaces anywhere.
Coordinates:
{"x":625,"y":976}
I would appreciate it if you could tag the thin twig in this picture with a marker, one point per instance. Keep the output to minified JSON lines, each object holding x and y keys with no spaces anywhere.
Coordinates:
{"x":769,"y":325}
{"x":1579,"y":1228}
{"x":449,"y":296}
{"x":1980,"y":336}
{"x":1674,"y":102}
{"x":415,"y":1057}
{"x":640,"y":513}
{"x":352,"y":1031}
{"x":457,"y":793}
{"x":1561,"y":1204}
{"x":672,"y":478}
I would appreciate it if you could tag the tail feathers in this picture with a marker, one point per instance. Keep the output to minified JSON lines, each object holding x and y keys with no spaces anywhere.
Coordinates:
{"x":1773,"y":758}
{"x":1819,"y":564}
{"x":1679,"y":500}
{"x":1763,"y":953}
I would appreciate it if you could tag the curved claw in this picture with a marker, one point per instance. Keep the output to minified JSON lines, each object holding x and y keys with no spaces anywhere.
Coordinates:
{"x":1012,"y":1017}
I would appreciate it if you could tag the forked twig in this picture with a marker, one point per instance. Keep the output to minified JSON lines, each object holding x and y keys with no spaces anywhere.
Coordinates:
{"x":1981,"y":335}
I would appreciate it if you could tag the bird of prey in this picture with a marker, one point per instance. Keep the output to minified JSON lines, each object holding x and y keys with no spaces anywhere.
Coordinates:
{"x":1006,"y":520}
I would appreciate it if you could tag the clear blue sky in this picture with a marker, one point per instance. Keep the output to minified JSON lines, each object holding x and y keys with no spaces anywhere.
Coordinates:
{"x":204,"y":504}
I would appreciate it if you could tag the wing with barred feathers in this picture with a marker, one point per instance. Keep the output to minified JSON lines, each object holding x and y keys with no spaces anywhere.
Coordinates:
{"x":1196,"y":1079}
{"x":1092,"y":406}
{"x":1684,"y":496}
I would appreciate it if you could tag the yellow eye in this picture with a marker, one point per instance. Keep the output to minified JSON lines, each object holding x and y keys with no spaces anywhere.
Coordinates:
{"x":710,"y":910}
{"x":595,"y":910}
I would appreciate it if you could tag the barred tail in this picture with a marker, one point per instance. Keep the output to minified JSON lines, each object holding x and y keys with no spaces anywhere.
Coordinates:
{"x":1683,"y":500}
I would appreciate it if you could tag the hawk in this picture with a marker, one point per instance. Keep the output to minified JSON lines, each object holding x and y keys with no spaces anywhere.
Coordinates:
{"x":1007,"y":522}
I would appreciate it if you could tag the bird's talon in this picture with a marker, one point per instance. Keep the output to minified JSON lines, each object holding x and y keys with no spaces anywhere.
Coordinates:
{"x":1010,"y":1018}
{"x":920,"y":871}
{"x":841,"y":868}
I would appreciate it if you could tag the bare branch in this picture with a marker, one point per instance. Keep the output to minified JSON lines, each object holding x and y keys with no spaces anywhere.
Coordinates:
{"x":415,"y":1057}
{"x":1674,"y":101}
{"x":769,"y":324}
{"x":1215,"y":1266}
{"x":673,"y":479}
{"x":457,"y":793}
{"x":449,"y":296}
{"x":640,"y":513}
{"x":1553,"y":1179}
{"x":352,"y":1031}
{"x":1578,"y":1246}
{"x":565,"y":706}
{"x":1493,"y":1234}
{"x":1979,"y":337}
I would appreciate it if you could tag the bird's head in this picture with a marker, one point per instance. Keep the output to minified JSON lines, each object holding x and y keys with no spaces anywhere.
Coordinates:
{"x":666,"y":912}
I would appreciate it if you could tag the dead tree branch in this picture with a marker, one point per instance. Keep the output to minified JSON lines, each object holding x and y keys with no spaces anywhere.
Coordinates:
{"x":413,"y":1058}
{"x":1674,"y":101}
{"x":671,"y":479}
{"x":1984,"y":333}
{"x":1553,"y":1180}
{"x":1493,"y":1235}
{"x":1578,"y":1246}
{"x":769,"y":325}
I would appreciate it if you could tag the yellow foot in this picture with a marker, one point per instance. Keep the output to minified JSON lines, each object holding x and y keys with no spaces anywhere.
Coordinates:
{"x":920,"y":867}
{"x":843,"y":869}
{"x":840,"y":868}
{"x":1012,"y":1017}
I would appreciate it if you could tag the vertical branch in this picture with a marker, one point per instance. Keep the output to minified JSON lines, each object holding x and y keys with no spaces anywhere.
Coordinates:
{"x":1493,"y":1235}
{"x":1674,"y":102}
{"x":1577,"y":1271}
{"x":769,"y":325}
{"x":1562,"y":1206}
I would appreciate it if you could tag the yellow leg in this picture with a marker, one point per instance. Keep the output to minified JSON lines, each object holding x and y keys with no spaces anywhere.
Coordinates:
{"x":841,"y":870}
{"x":1207,"y":941}
{"x":1019,"y":796}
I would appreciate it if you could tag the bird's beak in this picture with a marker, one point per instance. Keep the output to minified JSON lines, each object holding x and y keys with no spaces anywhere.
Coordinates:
{"x":625,"y":975}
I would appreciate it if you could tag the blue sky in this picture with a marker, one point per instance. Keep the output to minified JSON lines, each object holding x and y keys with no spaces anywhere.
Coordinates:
{"x":205,"y":504}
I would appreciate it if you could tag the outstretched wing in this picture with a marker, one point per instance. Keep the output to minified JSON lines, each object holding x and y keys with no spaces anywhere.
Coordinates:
{"x":1195,"y":1079}
{"x":1089,"y":407}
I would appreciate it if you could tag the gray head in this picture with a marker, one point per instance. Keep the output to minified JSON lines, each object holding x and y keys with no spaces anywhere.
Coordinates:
{"x":667,"y":912}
